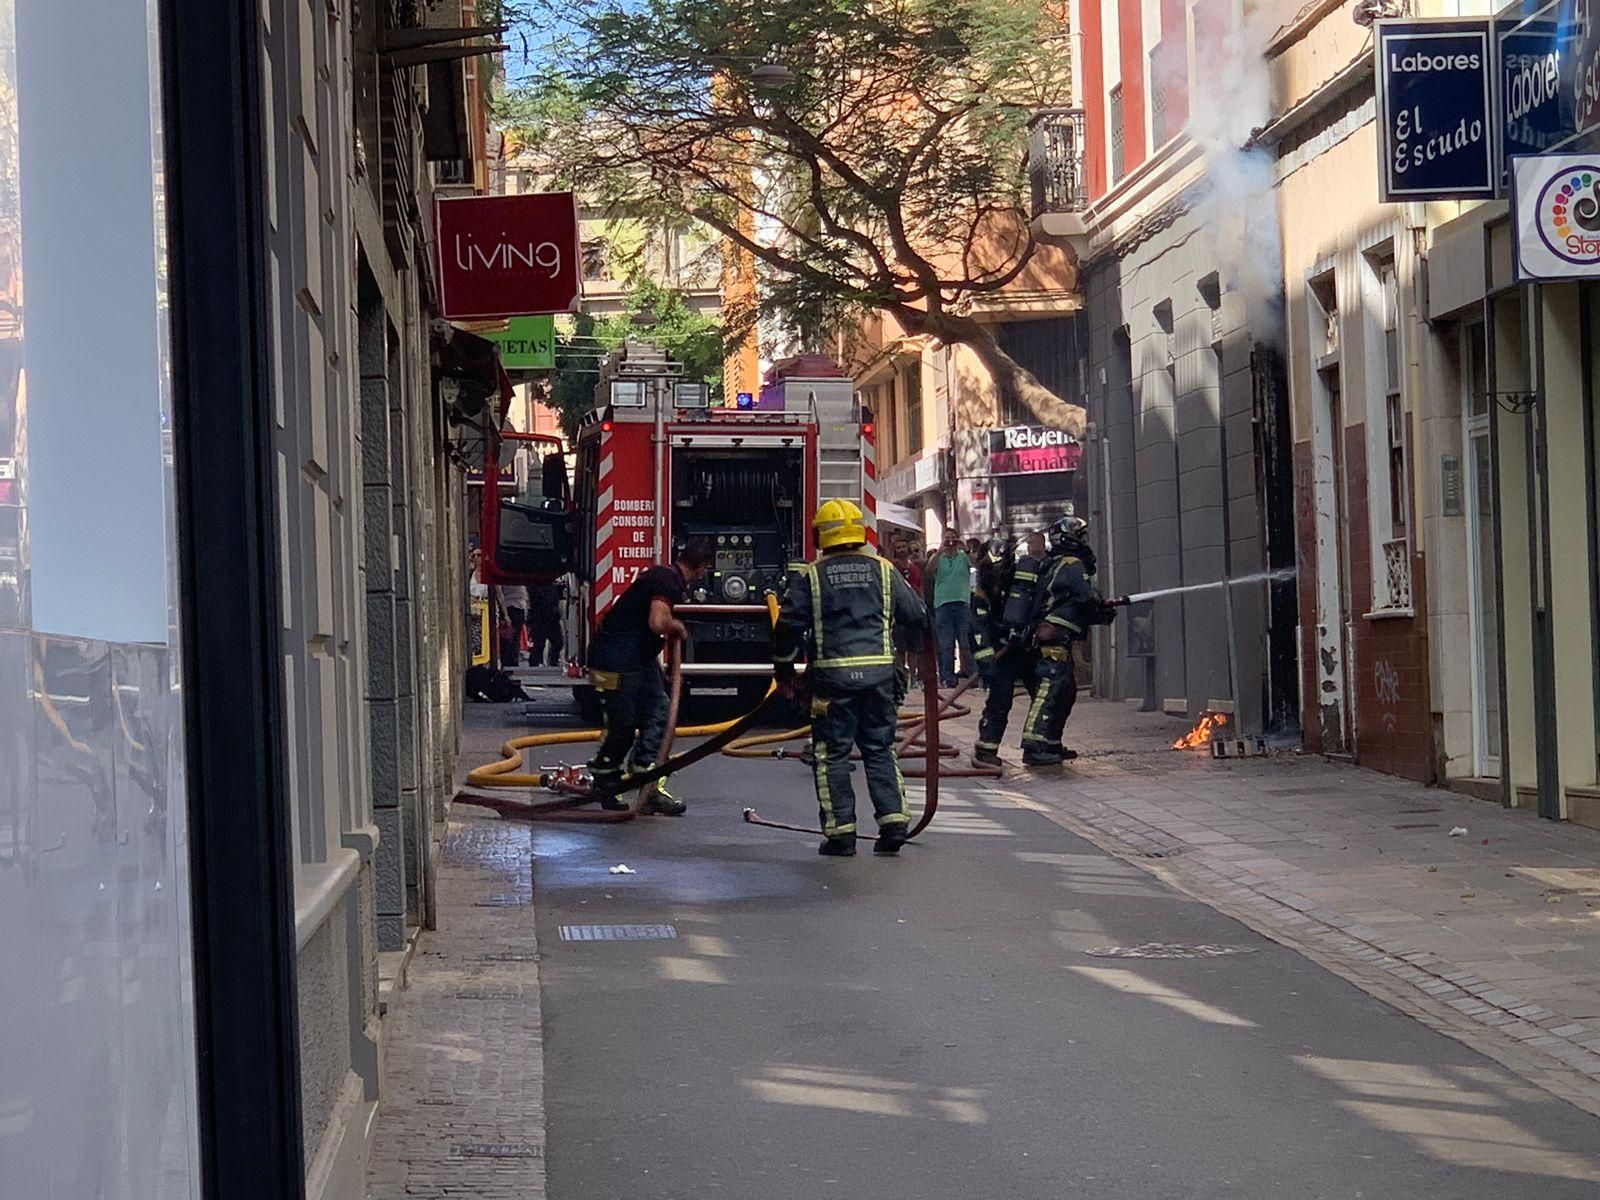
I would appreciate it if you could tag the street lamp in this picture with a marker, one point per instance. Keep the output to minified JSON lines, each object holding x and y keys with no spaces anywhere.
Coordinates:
{"x":771,"y":76}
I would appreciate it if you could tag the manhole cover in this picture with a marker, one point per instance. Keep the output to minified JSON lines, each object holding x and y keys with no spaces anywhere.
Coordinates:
{"x":497,"y":1150}
{"x":618,"y":933}
{"x":1168,"y":950}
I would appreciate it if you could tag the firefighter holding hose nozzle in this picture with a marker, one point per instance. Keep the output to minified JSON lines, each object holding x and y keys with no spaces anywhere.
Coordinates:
{"x":841,"y":611}
{"x":1066,"y":605}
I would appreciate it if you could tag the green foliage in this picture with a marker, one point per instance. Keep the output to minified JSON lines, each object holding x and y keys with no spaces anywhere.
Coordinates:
{"x":654,"y":314}
{"x":889,"y":172}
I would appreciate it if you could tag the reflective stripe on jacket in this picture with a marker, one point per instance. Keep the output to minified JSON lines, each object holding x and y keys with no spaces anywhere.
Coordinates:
{"x":842,"y":610}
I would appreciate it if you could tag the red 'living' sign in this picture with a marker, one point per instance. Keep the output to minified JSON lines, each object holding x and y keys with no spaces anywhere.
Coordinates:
{"x":507,"y":256}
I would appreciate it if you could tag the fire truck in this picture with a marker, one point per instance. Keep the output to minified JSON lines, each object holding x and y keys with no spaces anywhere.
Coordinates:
{"x":657,"y":464}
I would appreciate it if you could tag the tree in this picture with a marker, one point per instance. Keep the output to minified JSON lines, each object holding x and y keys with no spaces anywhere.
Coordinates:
{"x":654,"y":314}
{"x":881,"y":152}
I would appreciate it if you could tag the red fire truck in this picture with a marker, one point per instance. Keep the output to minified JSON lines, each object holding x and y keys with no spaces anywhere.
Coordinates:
{"x":657,"y":464}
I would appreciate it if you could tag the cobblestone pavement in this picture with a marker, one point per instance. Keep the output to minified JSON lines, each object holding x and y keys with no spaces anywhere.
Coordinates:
{"x":1492,"y":936}
{"x":462,"y":1114}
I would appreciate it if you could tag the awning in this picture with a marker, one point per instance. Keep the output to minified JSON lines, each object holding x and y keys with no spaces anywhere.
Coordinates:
{"x":900,"y":517}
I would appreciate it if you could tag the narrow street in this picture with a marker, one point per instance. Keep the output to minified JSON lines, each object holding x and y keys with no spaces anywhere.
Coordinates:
{"x":1006,"y":1010}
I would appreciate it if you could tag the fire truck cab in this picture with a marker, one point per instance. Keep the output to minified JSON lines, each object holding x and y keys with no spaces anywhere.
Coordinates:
{"x":657,"y":464}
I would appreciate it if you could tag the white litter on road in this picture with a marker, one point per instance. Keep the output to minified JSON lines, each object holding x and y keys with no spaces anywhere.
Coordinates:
{"x":625,"y":869}
{"x":1458,"y":831}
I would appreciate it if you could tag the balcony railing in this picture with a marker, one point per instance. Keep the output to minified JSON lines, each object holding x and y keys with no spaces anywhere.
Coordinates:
{"x":1055,"y":161}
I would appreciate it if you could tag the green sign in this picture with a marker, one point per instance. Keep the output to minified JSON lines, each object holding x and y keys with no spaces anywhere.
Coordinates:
{"x":529,"y":344}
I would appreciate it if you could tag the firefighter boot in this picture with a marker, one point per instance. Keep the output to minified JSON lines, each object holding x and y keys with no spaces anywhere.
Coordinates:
{"x":1036,"y":755}
{"x":604,"y":787}
{"x":890,"y":838}
{"x":838,"y":847}
{"x":662,"y":802}
{"x":984,"y":755}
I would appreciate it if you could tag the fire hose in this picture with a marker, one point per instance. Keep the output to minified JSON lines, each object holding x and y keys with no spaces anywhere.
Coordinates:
{"x":728,"y":737}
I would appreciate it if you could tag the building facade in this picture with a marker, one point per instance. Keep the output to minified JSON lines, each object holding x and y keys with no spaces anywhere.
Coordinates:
{"x":944,"y":458}
{"x":231,"y":585}
{"x":1363,"y":423}
{"x":1171,"y":216}
{"x":1512,"y":367}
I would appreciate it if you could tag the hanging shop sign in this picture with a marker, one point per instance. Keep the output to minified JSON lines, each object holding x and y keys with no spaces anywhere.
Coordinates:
{"x":1028,"y":449}
{"x":1549,"y":77}
{"x":527,"y":343}
{"x":507,"y":256}
{"x":1435,"y":101}
{"x":1555,"y":206}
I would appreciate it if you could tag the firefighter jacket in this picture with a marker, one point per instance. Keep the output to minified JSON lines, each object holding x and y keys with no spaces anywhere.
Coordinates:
{"x":1067,"y":600}
{"x":841,"y":612}
{"x":988,"y":603}
{"x":1017,"y":613}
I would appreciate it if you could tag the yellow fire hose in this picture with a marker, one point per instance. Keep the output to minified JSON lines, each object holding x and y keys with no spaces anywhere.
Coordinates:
{"x":507,"y":772}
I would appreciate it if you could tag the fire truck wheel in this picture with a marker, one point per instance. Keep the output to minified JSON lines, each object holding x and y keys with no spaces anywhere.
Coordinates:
{"x":588,"y":704}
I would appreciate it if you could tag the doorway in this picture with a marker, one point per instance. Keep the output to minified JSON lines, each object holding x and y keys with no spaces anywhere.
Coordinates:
{"x":1483,"y":591}
{"x":1332,"y":667}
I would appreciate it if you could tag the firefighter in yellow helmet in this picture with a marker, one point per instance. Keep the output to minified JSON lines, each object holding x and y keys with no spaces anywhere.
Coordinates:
{"x":840,"y":611}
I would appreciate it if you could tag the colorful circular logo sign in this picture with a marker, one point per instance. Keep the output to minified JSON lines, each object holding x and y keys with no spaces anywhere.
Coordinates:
{"x":1569,"y":215}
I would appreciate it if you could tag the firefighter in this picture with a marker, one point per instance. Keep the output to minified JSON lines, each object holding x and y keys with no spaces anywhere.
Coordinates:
{"x":1014,"y":658}
{"x":627,"y":677}
{"x":1066,"y":604}
{"x":842,"y":611}
{"x":992,"y":578}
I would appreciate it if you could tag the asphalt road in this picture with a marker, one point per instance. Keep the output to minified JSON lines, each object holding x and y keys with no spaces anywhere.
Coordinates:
{"x":941,"y":1025}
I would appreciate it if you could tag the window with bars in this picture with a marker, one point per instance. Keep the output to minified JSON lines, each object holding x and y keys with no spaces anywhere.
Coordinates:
{"x":1118,"y":136}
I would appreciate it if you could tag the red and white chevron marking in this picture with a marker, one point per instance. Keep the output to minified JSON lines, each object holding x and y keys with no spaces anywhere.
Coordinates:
{"x":869,"y":485}
{"x":605,"y":537}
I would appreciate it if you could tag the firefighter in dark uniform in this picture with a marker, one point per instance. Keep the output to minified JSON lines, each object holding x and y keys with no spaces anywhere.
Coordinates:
{"x":625,"y":670}
{"x":841,"y":611}
{"x":1014,"y":657}
{"x":1066,"y":604}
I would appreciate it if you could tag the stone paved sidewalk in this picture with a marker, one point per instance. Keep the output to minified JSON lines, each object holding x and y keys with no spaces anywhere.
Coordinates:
{"x":1493,"y":937}
{"x":462,"y":1114}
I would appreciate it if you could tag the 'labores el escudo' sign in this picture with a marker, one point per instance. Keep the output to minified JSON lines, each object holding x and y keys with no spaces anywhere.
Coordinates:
{"x":507,"y":256}
{"x":1435,"y":101}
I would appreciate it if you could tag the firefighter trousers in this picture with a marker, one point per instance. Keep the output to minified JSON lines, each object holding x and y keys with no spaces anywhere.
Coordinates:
{"x":634,"y":709}
{"x":1057,"y":691}
{"x":841,"y":721}
{"x":1011,"y":666}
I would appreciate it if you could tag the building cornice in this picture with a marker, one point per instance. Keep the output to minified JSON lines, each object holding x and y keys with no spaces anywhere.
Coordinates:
{"x":1347,"y":79}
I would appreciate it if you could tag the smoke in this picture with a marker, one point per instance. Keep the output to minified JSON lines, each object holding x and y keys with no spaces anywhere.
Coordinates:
{"x":1238,"y":206}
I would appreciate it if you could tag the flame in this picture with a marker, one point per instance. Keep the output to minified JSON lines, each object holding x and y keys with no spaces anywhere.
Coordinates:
{"x":1202,"y":733}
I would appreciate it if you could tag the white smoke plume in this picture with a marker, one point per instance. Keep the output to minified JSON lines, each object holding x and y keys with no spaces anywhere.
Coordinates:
{"x":1232,"y":98}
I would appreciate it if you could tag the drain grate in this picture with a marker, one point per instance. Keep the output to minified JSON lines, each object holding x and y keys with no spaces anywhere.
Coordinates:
{"x":497,"y":1150}
{"x":1169,"y":950}
{"x":618,"y":933}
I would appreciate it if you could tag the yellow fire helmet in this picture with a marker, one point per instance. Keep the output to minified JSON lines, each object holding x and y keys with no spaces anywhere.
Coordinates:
{"x":839,"y":523}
